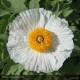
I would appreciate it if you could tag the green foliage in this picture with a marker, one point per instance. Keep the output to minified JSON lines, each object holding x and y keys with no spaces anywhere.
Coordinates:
{"x":15,"y":5}
{"x":69,"y":9}
{"x":34,"y":4}
{"x":66,"y":12}
{"x":15,"y":69}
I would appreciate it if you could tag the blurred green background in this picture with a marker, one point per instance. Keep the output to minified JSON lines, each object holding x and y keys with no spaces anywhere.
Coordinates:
{"x":69,"y":9}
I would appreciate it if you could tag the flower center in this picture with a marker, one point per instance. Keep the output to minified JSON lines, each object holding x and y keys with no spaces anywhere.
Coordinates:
{"x":40,"y":39}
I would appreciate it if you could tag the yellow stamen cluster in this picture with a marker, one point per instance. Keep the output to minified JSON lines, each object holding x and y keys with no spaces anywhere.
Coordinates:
{"x":40,"y":39}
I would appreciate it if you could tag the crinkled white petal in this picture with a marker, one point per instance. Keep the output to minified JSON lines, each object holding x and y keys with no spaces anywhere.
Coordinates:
{"x":20,"y":51}
{"x":40,"y":62}
{"x":60,"y":28}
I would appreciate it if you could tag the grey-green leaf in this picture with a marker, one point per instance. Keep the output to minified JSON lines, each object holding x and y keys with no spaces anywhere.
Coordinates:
{"x":12,"y":69}
{"x":34,"y":4}
{"x":20,"y":68}
{"x":15,"y":69}
{"x":3,"y":12}
{"x":67,"y":12}
{"x":17,"y":5}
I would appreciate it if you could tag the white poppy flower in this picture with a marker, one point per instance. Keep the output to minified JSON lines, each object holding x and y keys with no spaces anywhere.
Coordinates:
{"x":39,"y":40}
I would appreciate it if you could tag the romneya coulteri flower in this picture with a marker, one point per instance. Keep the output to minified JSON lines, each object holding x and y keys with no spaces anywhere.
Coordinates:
{"x":39,"y":40}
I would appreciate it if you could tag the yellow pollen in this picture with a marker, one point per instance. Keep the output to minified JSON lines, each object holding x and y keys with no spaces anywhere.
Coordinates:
{"x":40,"y":39}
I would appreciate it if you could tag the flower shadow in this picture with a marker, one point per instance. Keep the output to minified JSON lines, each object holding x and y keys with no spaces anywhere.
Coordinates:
{"x":55,"y":43}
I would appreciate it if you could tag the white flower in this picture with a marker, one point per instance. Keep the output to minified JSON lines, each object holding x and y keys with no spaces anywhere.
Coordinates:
{"x":39,"y":40}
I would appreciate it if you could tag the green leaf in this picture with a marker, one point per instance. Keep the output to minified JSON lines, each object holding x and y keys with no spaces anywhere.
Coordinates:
{"x":5,"y":69}
{"x":73,"y":28}
{"x":25,"y":73}
{"x":3,"y":23}
{"x":15,"y":69}
{"x":3,"y":37}
{"x":12,"y":69}
{"x":6,"y":4}
{"x":34,"y":4}
{"x":77,"y":48}
{"x":7,"y":66}
{"x":20,"y":68}
{"x":55,"y":6}
{"x":67,"y":12}
{"x":58,"y":13}
{"x":17,"y":5}
{"x":1,"y":5}
{"x":53,"y":3}
{"x":11,"y":18}
{"x":5,"y":60}
{"x":48,"y":4}
{"x":3,"y":12}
